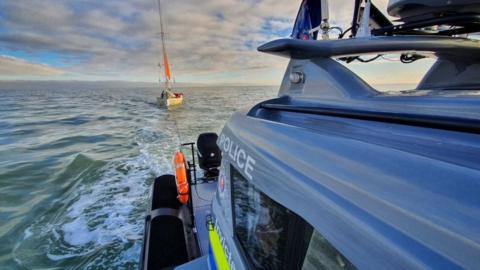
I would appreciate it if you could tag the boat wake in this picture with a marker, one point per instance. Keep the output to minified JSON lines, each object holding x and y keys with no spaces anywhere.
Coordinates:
{"x":96,"y":221}
{"x":99,"y":217}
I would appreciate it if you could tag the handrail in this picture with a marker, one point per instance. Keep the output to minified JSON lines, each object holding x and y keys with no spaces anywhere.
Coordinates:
{"x":420,"y":120}
{"x":306,"y":49}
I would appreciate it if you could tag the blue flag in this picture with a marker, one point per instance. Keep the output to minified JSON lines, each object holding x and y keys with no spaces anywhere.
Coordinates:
{"x":308,"y":17}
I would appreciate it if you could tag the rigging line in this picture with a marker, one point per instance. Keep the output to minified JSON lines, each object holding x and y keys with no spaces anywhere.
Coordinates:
{"x":162,"y":32}
{"x":177,"y":130}
{"x":179,"y":135}
{"x":171,"y":117}
{"x":164,"y":48}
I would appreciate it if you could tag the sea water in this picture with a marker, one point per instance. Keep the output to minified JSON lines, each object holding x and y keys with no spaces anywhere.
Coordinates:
{"x":77,"y":161}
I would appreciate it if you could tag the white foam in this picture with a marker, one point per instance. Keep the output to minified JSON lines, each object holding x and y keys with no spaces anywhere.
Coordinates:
{"x":76,"y":232}
{"x":27,"y":233}
{"x":107,"y":211}
{"x":54,"y":257}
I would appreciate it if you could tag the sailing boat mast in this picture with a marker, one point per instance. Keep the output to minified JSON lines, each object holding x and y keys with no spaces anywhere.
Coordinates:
{"x":166,"y":66}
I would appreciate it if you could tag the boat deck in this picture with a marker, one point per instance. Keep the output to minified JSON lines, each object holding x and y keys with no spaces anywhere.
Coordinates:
{"x":202,"y":195}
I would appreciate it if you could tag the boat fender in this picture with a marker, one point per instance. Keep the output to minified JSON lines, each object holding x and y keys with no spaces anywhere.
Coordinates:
{"x":181,"y":177}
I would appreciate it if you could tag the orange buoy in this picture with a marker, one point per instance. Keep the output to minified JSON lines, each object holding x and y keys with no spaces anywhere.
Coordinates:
{"x":181,"y":177}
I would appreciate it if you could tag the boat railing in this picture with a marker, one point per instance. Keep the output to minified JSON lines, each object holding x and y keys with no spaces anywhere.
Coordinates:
{"x":191,"y":165}
{"x":440,"y":46}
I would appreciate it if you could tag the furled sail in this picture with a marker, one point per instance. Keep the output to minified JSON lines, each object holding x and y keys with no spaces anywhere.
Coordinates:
{"x":166,"y":66}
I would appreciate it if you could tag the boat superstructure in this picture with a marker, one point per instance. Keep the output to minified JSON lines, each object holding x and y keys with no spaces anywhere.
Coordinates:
{"x":168,"y":97}
{"x":334,"y":174}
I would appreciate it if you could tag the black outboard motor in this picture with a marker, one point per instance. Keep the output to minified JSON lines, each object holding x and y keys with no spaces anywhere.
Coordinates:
{"x":209,"y":155}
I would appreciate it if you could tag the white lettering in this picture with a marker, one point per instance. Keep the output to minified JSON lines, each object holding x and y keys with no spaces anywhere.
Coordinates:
{"x":231,"y":153}
{"x":249,"y":167}
{"x":241,"y":163}
{"x":226,"y":145}
{"x":236,"y":151}
{"x":238,"y":155}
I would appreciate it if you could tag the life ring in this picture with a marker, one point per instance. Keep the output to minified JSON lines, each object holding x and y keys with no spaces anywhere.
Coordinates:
{"x":181,"y":177}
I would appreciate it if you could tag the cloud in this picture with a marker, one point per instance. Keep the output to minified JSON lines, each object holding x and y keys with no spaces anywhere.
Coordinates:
{"x":10,"y":66}
{"x":119,"y":38}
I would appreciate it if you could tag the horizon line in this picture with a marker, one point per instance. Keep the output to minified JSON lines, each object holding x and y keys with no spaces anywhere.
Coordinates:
{"x":133,"y":82}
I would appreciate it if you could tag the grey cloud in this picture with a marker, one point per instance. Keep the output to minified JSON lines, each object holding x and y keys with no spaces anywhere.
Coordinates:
{"x":15,"y":67}
{"x":120,"y":38}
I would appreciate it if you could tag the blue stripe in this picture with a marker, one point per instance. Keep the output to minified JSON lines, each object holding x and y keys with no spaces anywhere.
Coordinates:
{"x":211,"y":259}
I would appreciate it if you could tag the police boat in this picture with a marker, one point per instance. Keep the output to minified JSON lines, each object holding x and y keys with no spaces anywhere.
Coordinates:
{"x":334,"y":174}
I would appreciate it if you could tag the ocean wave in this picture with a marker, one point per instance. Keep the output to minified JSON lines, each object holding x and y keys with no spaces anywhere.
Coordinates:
{"x":77,"y":120}
{"x":101,"y":210}
{"x":73,"y":140}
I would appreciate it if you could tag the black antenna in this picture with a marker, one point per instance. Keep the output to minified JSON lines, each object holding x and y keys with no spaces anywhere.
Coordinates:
{"x":356,"y":13}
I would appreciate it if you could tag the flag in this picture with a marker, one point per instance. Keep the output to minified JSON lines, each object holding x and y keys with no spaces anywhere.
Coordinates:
{"x":308,"y":17}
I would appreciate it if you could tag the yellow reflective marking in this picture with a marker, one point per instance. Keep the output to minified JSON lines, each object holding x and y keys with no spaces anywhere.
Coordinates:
{"x":218,"y":252}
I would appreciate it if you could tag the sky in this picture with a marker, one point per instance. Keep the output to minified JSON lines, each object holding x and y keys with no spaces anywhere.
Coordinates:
{"x":208,"y":41}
